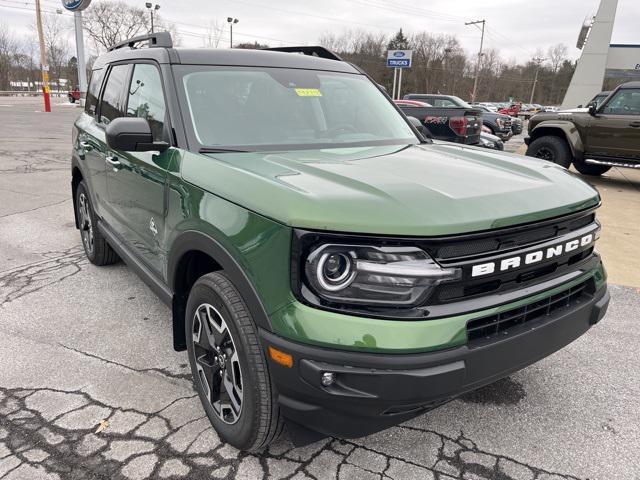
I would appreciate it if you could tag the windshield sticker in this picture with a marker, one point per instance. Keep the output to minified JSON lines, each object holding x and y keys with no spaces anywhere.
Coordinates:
{"x":308,"y":92}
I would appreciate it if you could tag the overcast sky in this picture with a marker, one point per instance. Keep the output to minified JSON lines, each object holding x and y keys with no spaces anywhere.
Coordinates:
{"x":515,"y":27}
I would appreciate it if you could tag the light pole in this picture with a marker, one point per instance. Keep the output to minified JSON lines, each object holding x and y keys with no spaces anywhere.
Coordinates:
{"x":538,"y":62}
{"x":475,"y":82}
{"x":152,"y":8}
{"x":231,"y":21}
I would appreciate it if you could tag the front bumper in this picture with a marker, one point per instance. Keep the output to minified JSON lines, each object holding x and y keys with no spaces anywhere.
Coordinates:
{"x":375,"y":391}
{"x":505,"y":136}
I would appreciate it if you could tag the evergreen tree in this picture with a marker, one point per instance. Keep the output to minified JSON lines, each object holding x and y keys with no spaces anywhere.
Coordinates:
{"x":398,"y":42}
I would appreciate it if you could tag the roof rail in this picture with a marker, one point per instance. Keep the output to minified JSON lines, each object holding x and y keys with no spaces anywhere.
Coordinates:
{"x":157,"y":39}
{"x":314,"y":51}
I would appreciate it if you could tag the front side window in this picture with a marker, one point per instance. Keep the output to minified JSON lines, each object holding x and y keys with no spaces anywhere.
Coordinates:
{"x":93,"y":92}
{"x":111,"y":106}
{"x":624,"y":102}
{"x":146,"y":98}
{"x":278,"y":107}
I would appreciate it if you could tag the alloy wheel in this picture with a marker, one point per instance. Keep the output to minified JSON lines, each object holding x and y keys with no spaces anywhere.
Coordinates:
{"x":545,"y":153}
{"x":84,"y":220}
{"x":217,"y":363}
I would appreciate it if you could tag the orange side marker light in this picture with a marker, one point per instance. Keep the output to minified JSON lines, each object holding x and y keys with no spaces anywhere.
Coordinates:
{"x":282,"y":358}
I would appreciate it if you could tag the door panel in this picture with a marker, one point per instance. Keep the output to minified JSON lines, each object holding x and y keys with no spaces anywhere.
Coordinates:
{"x":110,"y":107}
{"x":615,"y":131}
{"x":136,"y":180}
{"x":90,"y":144}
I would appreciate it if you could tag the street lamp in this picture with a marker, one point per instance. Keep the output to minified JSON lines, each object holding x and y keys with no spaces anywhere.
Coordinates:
{"x":149,"y":5}
{"x":231,"y":21}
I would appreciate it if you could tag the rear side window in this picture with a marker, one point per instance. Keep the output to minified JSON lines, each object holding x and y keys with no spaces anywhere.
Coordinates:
{"x":146,"y":99}
{"x":93,"y":92}
{"x":111,"y":106}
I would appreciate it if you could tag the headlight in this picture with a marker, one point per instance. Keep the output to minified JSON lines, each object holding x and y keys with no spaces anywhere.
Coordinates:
{"x":499,"y":122}
{"x":398,"y":276}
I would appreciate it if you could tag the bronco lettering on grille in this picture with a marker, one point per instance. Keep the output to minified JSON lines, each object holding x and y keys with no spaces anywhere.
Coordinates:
{"x":531,"y":257}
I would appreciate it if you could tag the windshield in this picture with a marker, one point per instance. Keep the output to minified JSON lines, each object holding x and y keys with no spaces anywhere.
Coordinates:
{"x":269,"y":108}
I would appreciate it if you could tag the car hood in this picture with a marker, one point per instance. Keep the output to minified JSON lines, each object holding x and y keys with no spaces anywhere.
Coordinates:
{"x":431,"y":189}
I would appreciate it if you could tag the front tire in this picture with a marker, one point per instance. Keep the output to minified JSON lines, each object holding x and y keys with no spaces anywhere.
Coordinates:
{"x":590,"y":169}
{"x":551,"y":148}
{"x":229,"y":369}
{"x":98,"y":251}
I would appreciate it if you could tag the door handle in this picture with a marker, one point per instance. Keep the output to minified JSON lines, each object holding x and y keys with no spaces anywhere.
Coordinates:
{"x":113,"y":161}
{"x":635,"y":124}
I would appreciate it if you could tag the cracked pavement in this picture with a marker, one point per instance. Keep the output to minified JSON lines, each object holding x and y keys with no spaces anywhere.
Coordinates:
{"x":81,"y":345}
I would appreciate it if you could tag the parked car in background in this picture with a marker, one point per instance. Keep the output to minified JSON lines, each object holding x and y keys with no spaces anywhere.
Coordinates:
{"x":74,"y":95}
{"x":517,"y":125}
{"x":513,"y":109}
{"x":487,"y":105}
{"x":487,"y":140}
{"x":593,"y":140}
{"x":497,"y":123}
{"x":500,"y":125}
{"x":452,"y":124}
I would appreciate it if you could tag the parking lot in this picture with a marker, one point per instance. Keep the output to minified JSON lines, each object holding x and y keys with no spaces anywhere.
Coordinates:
{"x":90,"y":386}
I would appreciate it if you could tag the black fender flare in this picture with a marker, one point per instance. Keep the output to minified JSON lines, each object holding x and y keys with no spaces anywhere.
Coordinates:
{"x":191,"y":240}
{"x":568,"y":130}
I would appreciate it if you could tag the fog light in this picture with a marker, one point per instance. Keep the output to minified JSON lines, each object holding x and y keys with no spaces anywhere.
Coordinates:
{"x":328,"y":379}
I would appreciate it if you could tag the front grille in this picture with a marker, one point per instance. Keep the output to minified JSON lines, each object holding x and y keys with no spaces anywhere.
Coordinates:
{"x":455,"y":248}
{"x":492,"y":326}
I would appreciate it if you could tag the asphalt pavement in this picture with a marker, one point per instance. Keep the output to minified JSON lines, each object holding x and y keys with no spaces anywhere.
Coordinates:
{"x":90,"y":387}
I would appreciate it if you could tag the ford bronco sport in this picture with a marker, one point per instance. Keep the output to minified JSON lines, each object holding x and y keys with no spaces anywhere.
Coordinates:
{"x":324,"y":263}
{"x":594,"y":139}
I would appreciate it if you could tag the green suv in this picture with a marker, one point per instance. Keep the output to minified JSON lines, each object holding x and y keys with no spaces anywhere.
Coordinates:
{"x":324,"y":263}
{"x":593,"y":139}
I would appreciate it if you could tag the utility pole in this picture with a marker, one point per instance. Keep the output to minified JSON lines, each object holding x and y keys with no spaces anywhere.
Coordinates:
{"x":43,"y":60}
{"x":538,"y":62}
{"x":475,"y":82}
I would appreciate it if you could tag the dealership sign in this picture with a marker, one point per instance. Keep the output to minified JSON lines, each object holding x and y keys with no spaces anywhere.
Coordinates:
{"x":75,"y":5}
{"x":399,"y":58}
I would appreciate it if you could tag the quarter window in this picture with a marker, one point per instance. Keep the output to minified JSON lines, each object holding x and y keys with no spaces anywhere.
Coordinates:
{"x":146,"y":99}
{"x":111,"y":106}
{"x":93,"y":92}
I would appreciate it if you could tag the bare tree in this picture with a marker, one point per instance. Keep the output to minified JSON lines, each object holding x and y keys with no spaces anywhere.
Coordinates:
{"x":108,"y":23}
{"x":56,"y":38}
{"x":8,"y":48}
{"x":213,"y":35}
{"x":557,"y":54}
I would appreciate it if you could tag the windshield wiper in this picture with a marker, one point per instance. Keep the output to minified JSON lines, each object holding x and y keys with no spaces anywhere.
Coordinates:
{"x":220,"y":150}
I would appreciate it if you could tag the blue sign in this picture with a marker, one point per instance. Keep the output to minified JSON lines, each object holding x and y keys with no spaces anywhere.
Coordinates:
{"x":399,"y":58}
{"x":398,"y":63}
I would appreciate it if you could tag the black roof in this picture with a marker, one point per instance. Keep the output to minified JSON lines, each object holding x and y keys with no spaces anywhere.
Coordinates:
{"x":312,"y":58}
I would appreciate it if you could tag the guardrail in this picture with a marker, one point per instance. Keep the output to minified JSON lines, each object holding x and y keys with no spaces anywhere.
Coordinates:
{"x":25,"y":93}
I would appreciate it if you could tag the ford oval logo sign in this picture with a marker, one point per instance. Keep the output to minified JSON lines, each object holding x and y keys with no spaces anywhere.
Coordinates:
{"x":398,"y":54}
{"x":75,"y":5}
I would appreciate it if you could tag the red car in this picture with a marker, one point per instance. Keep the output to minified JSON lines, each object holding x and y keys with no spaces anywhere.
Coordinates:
{"x":74,"y":95}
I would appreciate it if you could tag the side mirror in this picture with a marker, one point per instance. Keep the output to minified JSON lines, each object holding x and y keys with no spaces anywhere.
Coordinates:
{"x":132,"y":134}
{"x":593,"y":109}
{"x":418,"y":124}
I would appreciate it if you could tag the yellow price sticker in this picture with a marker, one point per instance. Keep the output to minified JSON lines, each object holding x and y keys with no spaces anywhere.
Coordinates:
{"x":308,"y":92}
